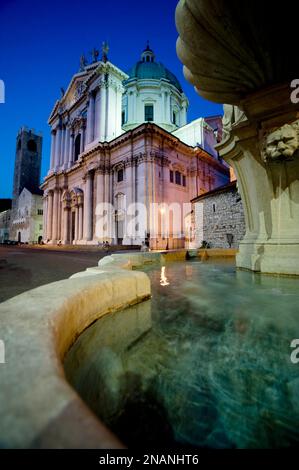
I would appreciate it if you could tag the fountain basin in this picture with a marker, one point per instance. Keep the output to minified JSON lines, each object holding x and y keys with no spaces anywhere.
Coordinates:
{"x":205,"y":363}
{"x":38,"y":408}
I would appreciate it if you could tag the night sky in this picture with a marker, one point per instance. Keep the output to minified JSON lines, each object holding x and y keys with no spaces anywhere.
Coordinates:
{"x":41,"y":43}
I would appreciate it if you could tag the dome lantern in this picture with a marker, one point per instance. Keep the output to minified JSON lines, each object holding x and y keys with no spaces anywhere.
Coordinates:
{"x":147,"y":55}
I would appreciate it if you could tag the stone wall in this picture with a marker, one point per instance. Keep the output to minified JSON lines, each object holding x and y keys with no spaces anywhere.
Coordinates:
{"x":223,"y":214}
{"x":217,"y":214}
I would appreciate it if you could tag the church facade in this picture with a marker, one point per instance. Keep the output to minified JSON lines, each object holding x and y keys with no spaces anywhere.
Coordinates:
{"x":118,"y":171}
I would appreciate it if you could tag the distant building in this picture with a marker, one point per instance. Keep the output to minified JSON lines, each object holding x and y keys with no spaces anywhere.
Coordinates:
{"x":218,"y":218}
{"x":26,"y":218}
{"x":26,"y":223}
{"x":27,"y":162}
{"x":4,"y":225}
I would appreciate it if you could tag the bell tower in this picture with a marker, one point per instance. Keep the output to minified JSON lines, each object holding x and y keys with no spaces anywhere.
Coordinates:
{"x":27,"y":162}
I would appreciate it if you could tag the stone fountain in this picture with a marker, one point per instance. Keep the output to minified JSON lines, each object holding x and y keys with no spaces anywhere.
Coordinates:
{"x":245,"y":54}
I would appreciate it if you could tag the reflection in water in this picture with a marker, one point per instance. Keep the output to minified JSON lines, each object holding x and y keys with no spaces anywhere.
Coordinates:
{"x":163,"y":279}
{"x":205,"y":363}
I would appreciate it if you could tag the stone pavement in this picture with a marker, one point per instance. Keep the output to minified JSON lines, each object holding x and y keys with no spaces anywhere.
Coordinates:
{"x":23,"y":268}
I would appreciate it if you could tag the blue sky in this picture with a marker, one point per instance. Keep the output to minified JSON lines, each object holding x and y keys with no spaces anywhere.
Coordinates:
{"x":41,"y":43}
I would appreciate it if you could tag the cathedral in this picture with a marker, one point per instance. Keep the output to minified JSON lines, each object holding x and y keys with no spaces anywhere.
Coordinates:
{"x":125,"y":163}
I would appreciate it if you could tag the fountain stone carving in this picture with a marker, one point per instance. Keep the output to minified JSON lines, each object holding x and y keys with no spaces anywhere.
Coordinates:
{"x":232,"y":54}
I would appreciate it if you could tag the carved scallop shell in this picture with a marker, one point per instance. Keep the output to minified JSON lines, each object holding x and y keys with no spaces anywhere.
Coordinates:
{"x":231,"y":48}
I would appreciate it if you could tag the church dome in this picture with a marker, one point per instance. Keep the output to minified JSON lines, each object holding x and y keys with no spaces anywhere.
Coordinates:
{"x":147,"y":68}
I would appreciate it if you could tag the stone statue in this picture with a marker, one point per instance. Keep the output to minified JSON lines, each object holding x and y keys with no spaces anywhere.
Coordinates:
{"x":282,"y":143}
{"x":83,"y":62}
{"x":94,"y":54}
{"x":105,"y":50}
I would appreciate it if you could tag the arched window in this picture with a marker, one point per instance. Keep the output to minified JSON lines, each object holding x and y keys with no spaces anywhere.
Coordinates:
{"x":77,"y":147}
{"x":31,"y":145}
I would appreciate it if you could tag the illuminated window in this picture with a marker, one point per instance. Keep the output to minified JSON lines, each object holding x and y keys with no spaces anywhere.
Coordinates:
{"x":148,"y":112}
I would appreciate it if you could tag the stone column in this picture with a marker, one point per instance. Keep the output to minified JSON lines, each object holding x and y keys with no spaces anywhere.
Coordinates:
{"x":99,"y":194}
{"x":71,"y":150}
{"x":45,"y":207}
{"x":61,"y":160}
{"x":90,"y":118}
{"x":80,"y":221}
{"x":66,"y":223}
{"x":88,"y":207}
{"x":66,"y":148}
{"x":53,"y":146}
{"x":50,"y":215}
{"x":57,"y":147}
{"x":107,"y":186}
{"x":76,"y":223}
{"x":82,"y":140}
{"x":129,"y":175}
{"x":168,"y":109}
{"x":102,"y":111}
{"x":163,"y":104}
{"x":59,"y":215}
{"x":55,"y":215}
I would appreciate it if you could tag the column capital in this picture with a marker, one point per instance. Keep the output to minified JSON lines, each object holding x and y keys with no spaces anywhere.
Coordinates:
{"x":92,"y":93}
{"x":89,"y":174}
{"x":100,"y":170}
